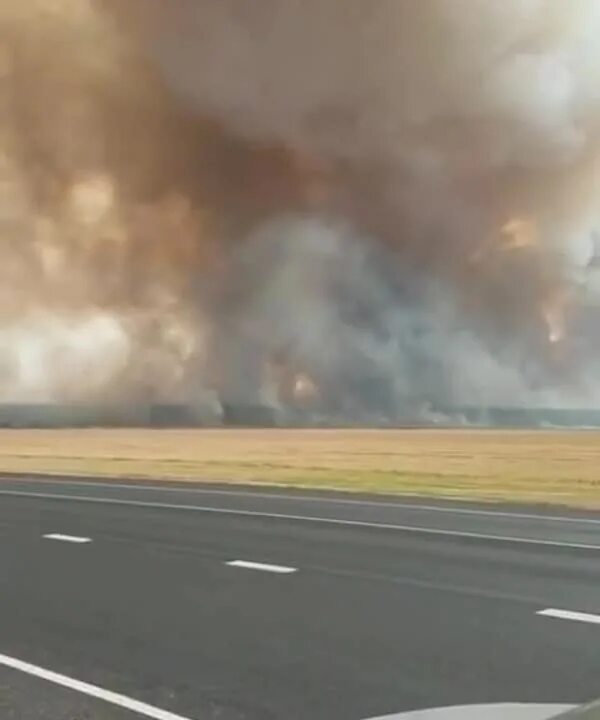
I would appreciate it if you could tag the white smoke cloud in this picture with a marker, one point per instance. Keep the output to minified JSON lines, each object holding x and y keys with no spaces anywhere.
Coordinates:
{"x":47,"y":358}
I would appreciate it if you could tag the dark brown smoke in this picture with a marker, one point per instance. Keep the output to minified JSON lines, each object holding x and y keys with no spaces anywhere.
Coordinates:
{"x":362,"y":206}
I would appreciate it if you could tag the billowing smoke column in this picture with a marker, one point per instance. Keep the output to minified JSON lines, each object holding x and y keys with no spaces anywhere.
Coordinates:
{"x":363,"y":208}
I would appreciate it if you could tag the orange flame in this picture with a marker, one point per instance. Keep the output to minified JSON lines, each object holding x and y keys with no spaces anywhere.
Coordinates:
{"x":520,"y":232}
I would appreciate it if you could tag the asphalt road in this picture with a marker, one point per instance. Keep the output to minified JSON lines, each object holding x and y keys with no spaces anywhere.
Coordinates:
{"x":357,"y":608}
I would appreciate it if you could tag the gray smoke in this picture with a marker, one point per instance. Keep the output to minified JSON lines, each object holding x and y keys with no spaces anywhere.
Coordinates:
{"x":476,"y":124}
{"x":362,"y":208}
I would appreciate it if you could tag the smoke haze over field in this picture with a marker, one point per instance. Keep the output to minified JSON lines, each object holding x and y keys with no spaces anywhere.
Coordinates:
{"x":358,"y":208}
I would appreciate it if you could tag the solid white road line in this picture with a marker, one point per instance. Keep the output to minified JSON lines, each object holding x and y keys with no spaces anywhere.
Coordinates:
{"x":417,"y":506}
{"x":569,"y":615}
{"x":92,"y":690}
{"x":67,"y":538}
{"x":281,"y":569}
{"x":303,"y":518}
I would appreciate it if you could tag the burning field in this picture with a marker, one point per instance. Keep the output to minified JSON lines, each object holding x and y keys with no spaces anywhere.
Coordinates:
{"x":516,"y":466}
{"x":354,"y":210}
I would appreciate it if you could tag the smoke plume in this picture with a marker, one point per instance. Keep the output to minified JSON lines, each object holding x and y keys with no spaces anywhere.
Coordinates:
{"x":362,"y":208}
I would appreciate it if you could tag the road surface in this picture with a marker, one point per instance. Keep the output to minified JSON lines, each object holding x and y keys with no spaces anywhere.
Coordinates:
{"x":230,"y":604}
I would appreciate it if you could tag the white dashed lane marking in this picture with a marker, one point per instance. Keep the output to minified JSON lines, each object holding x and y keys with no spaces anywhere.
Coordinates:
{"x":281,"y":569}
{"x":67,"y":538}
{"x":570,"y":615}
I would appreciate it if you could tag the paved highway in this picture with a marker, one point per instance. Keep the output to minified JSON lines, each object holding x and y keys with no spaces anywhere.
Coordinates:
{"x":128,"y":600}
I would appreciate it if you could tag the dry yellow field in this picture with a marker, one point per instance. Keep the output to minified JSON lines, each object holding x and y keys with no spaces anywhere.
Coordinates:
{"x":539,"y":466}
